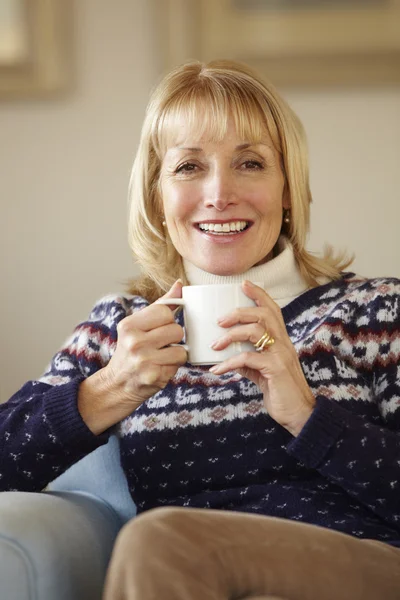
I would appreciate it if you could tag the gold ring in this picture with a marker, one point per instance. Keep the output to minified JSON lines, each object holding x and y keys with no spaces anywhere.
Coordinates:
{"x":265,"y":341}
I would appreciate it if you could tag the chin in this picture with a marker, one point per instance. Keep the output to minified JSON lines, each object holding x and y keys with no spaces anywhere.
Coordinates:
{"x":225,"y":269}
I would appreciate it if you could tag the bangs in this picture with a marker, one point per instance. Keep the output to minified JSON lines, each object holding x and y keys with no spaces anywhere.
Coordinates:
{"x":205,"y":109}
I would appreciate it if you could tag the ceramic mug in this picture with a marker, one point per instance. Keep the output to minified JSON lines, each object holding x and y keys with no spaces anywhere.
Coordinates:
{"x":202,"y":306}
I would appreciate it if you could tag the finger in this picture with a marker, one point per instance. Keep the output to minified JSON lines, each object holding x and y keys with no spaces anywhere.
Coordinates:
{"x":249,"y":360}
{"x":169,"y":371}
{"x":174,"y":292}
{"x":147,"y":319}
{"x":245,"y":333}
{"x":264,"y":302}
{"x":165,"y":335}
{"x":157,"y":375}
{"x":243,"y":316}
{"x":172,"y":355}
{"x":259,"y":295}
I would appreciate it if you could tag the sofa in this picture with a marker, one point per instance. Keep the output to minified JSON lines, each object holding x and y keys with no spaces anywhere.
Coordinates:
{"x":56,"y":545}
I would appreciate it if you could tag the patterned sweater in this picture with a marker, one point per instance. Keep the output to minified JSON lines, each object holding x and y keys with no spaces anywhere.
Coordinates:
{"x":207,"y":440}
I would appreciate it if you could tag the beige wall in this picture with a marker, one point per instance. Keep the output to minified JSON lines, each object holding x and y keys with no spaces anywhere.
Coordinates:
{"x":65,"y":164}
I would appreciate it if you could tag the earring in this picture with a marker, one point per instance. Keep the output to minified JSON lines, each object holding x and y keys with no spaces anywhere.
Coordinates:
{"x":286,"y":216}
{"x":163,"y":223}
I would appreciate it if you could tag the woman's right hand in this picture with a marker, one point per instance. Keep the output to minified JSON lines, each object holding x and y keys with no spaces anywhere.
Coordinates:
{"x":143,"y":361}
{"x":142,"y":365}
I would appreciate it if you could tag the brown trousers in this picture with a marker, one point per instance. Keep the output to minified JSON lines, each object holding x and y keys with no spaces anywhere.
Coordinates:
{"x":197,"y":554}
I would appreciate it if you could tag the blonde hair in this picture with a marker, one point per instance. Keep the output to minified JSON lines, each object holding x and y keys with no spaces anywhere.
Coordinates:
{"x":219,"y":89}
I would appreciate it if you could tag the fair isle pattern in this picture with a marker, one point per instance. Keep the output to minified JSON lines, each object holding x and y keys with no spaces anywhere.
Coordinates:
{"x":207,"y":440}
{"x":186,"y":418}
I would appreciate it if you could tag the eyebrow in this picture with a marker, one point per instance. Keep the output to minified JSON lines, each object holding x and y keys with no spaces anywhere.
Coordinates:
{"x":239,"y":147}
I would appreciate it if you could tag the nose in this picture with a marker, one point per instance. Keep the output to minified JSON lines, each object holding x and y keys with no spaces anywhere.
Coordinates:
{"x":220,"y":190}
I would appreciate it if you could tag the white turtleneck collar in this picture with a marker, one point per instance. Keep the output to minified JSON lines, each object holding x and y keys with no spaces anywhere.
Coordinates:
{"x":280,"y":276}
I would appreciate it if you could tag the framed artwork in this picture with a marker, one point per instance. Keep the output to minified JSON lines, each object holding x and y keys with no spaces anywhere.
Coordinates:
{"x":34,"y":47}
{"x":301,"y":42}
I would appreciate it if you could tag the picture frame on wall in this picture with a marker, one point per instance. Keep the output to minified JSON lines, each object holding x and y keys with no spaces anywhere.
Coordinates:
{"x":35,"y":52}
{"x":294,"y":42}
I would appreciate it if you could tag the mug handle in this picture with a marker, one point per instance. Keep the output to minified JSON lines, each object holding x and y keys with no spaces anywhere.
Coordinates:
{"x":180,"y":302}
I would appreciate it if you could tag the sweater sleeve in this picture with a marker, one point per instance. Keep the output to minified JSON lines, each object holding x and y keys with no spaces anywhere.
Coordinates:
{"x":41,"y":430}
{"x":360,"y":456}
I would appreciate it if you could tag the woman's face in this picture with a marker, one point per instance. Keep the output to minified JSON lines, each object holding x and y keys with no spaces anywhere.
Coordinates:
{"x":223,"y":201}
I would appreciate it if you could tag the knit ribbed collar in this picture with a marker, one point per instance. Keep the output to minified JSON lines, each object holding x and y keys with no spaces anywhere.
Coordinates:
{"x":280,"y":276}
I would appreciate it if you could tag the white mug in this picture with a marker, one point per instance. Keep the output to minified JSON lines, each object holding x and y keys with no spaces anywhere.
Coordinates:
{"x":202,"y":306}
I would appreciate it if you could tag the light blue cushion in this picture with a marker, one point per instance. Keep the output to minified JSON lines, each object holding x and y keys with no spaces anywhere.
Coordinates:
{"x":100,"y":473}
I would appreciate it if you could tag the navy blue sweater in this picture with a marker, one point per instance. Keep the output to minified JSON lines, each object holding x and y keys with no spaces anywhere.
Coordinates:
{"x":207,"y":440}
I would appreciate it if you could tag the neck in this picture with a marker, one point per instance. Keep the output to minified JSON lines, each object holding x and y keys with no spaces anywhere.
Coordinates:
{"x":279,"y":276}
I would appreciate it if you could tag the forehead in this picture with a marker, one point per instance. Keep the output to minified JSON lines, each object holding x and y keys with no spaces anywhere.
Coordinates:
{"x":188,"y":139}
{"x":197,"y":125}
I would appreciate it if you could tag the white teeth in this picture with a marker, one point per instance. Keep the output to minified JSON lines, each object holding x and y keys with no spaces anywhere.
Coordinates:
{"x":223,"y":227}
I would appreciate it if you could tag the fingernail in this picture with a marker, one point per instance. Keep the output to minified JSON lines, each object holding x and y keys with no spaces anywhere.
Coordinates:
{"x":179,"y":281}
{"x":247,"y":282}
{"x":214,"y":343}
{"x":214,"y":369}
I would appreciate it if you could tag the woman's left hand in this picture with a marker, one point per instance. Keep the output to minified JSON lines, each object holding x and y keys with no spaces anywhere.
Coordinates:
{"x":276,"y":370}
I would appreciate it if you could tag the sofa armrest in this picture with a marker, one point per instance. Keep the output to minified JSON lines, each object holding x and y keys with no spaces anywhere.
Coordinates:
{"x":100,"y":473}
{"x":54,"y":545}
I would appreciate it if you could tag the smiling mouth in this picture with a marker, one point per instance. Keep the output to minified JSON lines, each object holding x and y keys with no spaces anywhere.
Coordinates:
{"x":228,"y":228}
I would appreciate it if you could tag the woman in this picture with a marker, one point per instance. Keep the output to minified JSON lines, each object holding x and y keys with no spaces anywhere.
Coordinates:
{"x":303,"y":434}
